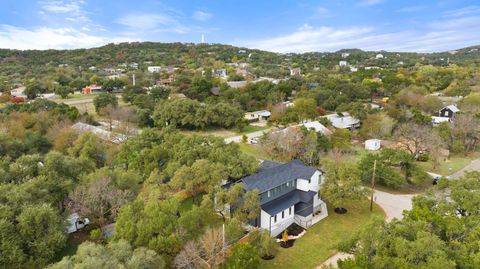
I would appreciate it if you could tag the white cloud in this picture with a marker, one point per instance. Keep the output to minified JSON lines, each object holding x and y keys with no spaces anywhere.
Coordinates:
{"x":463,"y":11}
{"x":46,"y":38}
{"x":436,"y":36}
{"x":51,"y":38}
{"x":55,"y":6}
{"x":411,"y":9}
{"x":146,"y":21}
{"x":370,"y":2}
{"x":138,"y":24}
{"x":59,"y":11}
{"x":202,"y":15}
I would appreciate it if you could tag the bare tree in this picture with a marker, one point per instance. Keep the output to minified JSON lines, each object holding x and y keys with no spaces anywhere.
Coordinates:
{"x":466,"y":128}
{"x":415,"y":138}
{"x":412,"y":137}
{"x":284,"y":145}
{"x":206,"y":252}
{"x":126,"y":121}
{"x":99,"y":199}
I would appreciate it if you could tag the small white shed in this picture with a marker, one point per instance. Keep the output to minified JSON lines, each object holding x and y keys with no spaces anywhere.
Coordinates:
{"x":372,"y":144}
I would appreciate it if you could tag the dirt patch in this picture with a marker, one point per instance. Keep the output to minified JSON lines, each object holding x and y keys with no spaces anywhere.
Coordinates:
{"x":340,"y":210}
{"x":287,"y":244}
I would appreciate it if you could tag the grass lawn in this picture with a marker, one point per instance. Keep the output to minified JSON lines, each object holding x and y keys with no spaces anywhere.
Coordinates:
{"x":319,"y":243}
{"x":73,"y":241}
{"x":450,"y":166}
{"x":72,"y":97}
{"x":358,"y":152}
{"x":252,"y":128}
{"x":223,"y":133}
{"x":255,"y":151}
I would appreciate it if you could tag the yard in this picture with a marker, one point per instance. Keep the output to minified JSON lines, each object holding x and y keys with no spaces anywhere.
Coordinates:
{"x":71,"y":246}
{"x":220,"y":132}
{"x":254,"y":150}
{"x":449,"y":166}
{"x":319,"y":243}
{"x":253,"y":128}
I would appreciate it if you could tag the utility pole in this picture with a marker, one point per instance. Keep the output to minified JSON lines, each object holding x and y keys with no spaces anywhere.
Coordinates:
{"x":223,"y":240}
{"x":373,"y":184}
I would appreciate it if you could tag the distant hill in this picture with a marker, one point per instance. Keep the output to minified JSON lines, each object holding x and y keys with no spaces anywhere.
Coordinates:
{"x":34,"y":62}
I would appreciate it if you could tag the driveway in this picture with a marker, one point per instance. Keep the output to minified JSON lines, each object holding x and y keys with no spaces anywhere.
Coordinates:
{"x":472,"y":166}
{"x":238,"y":139}
{"x":392,"y":204}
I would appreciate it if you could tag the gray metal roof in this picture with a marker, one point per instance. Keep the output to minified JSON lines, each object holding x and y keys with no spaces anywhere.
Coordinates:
{"x":271,"y":175}
{"x":288,"y":200}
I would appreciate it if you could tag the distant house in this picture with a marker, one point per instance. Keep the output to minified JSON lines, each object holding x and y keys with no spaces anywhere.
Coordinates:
{"x":92,"y":89}
{"x":343,"y":121}
{"x":18,"y":94}
{"x":222,"y":73}
{"x":372,"y":144}
{"x":154,"y":69}
{"x":288,"y":104}
{"x":295,"y":71}
{"x":289,"y":193}
{"x":317,"y":126}
{"x":133,"y":65}
{"x":343,"y":63}
{"x":261,"y":115}
{"x":167,"y":81}
{"x":449,"y":111}
{"x":345,"y":55}
{"x":379,"y":56}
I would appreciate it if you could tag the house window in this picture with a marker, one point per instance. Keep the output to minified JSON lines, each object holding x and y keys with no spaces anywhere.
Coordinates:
{"x":275,"y":219}
{"x":268,"y":194}
{"x":288,"y":184}
{"x":290,"y":211}
{"x":309,"y":180}
{"x":283,"y":214}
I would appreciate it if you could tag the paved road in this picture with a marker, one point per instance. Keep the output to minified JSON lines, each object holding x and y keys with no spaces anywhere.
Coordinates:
{"x":77,"y":102}
{"x":472,"y":166}
{"x":238,"y":139}
{"x":393,"y":204}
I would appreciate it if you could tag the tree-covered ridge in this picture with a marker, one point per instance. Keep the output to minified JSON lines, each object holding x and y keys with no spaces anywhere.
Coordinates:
{"x":33,"y":62}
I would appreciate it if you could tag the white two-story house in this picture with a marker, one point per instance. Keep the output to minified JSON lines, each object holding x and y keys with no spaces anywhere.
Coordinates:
{"x":289,"y":193}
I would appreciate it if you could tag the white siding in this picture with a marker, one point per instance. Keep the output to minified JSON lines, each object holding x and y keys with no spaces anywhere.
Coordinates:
{"x":303,"y":185}
{"x":281,"y":224}
{"x":264,"y":220}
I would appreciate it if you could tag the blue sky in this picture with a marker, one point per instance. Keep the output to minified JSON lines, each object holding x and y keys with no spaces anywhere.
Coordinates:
{"x":276,"y":25}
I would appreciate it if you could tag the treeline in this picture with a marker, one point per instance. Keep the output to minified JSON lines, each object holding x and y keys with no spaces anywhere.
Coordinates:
{"x":191,"y":114}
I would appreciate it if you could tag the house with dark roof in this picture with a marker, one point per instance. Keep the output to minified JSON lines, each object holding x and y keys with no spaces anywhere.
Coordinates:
{"x":289,"y":193}
{"x":449,"y":111}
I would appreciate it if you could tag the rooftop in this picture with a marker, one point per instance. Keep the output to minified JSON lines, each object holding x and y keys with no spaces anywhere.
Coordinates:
{"x":272,"y":174}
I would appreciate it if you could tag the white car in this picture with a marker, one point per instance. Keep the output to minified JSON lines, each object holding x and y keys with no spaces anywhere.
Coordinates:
{"x":76,"y":223}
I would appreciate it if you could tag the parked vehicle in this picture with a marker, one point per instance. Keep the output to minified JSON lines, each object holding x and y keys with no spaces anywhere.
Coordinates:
{"x":76,"y":223}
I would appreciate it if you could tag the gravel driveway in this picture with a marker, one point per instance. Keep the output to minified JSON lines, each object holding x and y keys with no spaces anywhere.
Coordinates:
{"x":472,"y":166}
